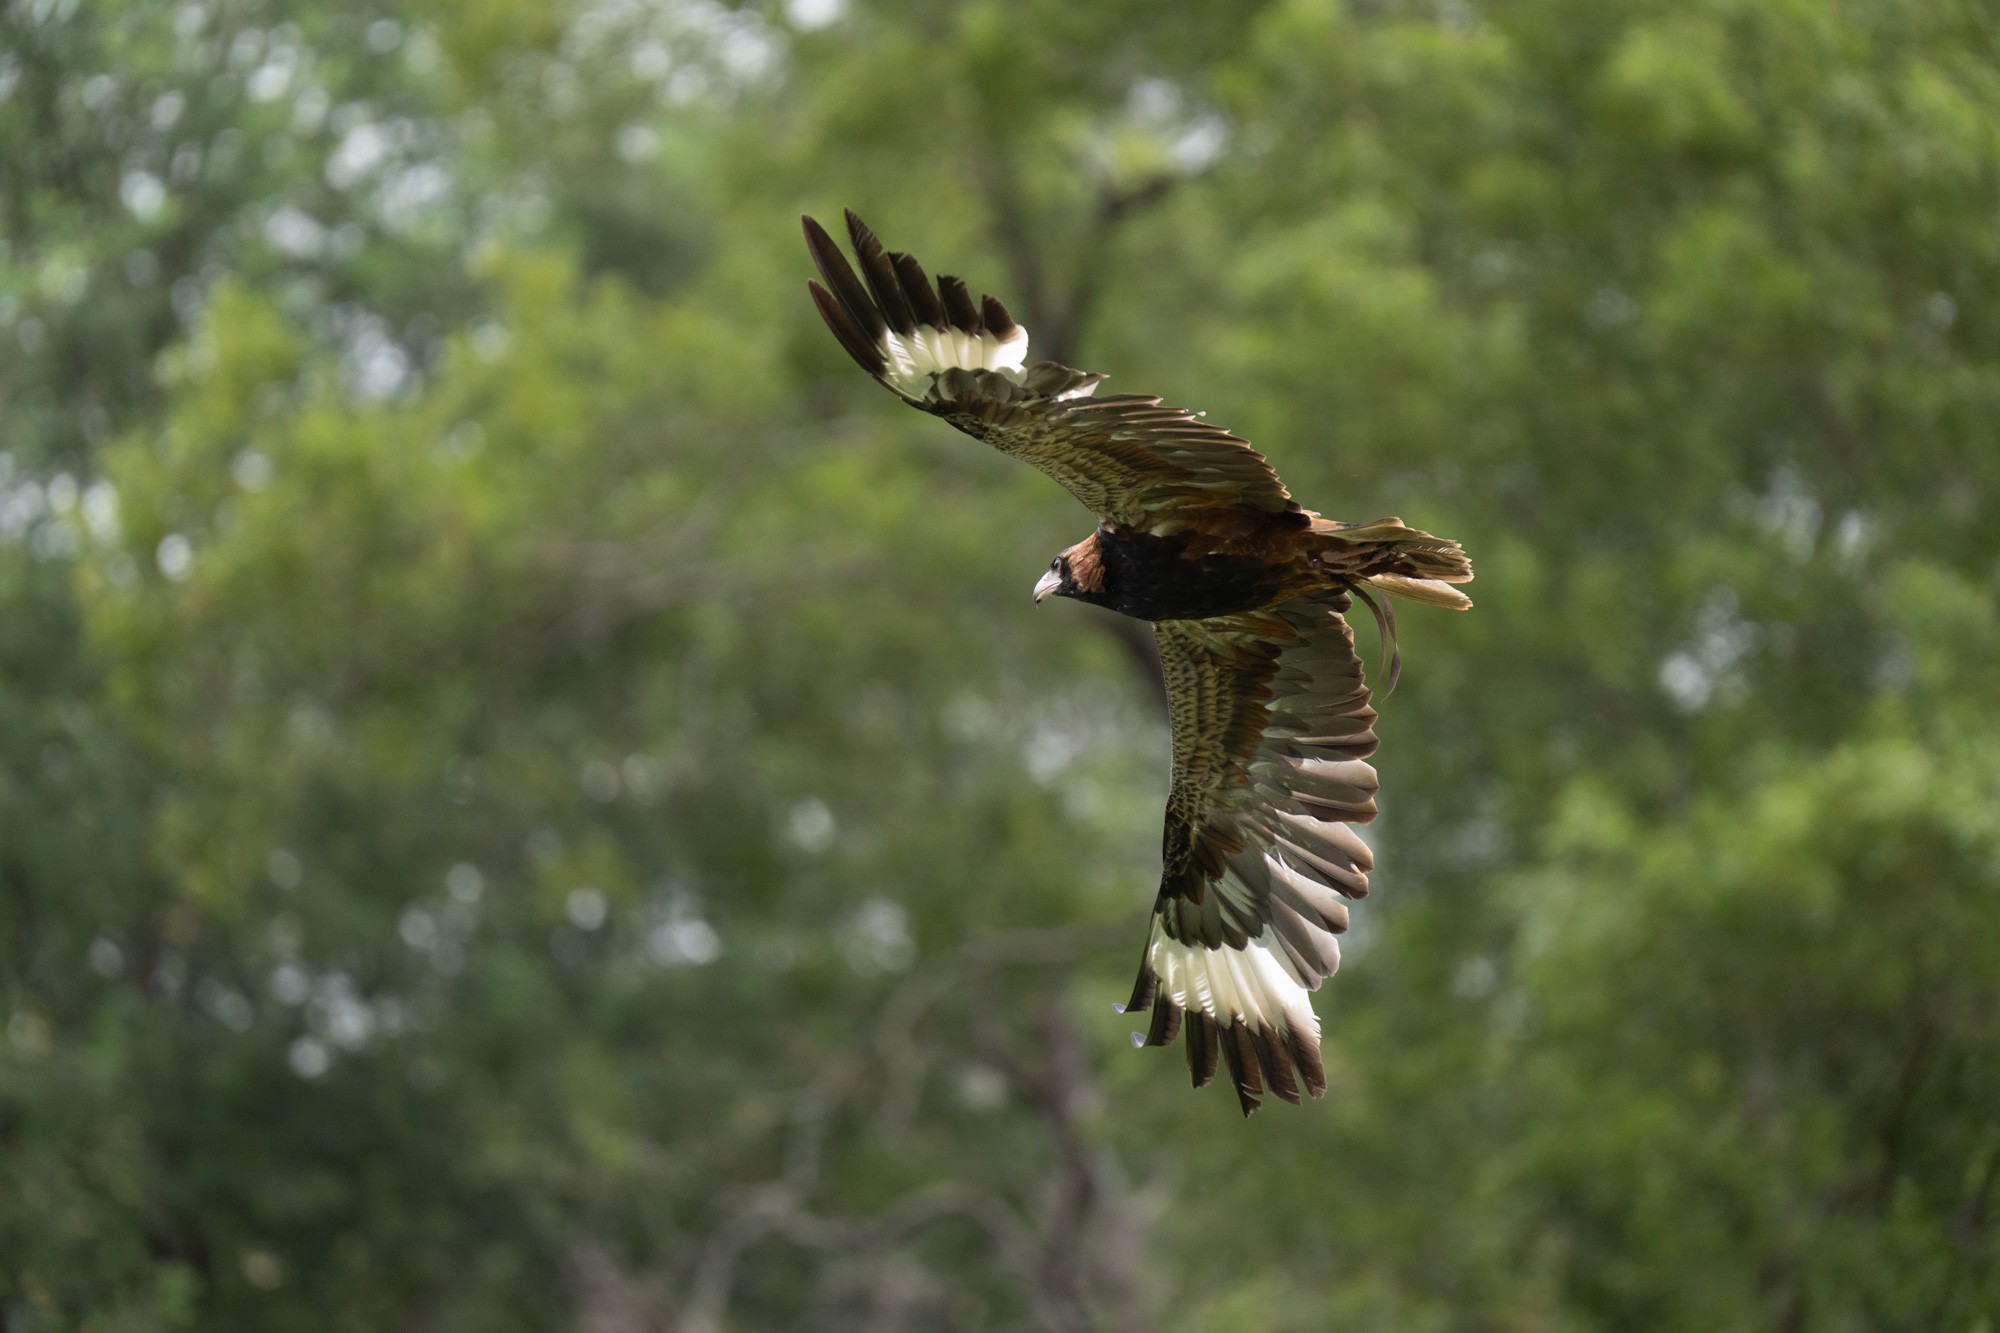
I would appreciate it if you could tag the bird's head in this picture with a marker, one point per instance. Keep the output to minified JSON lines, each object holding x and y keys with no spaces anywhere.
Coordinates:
{"x":1076,"y":572}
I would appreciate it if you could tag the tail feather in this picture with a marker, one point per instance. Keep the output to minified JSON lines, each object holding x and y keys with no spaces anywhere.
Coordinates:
{"x":1392,"y":557}
{"x":1431,"y":591}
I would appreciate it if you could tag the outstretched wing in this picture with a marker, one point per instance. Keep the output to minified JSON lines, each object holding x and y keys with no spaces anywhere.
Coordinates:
{"x":1272,"y":731}
{"x":1127,"y":458}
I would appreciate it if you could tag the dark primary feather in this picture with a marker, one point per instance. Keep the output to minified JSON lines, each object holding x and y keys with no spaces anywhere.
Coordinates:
{"x":840,"y":280}
{"x":1201,"y":1047}
{"x":837,"y":318}
{"x":995,"y":317}
{"x":880,"y":269}
{"x":917,"y":289}
{"x":959,"y":310}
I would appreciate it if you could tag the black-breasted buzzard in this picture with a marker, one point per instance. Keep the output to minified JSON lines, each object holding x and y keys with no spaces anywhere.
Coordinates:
{"x":1272,"y":725}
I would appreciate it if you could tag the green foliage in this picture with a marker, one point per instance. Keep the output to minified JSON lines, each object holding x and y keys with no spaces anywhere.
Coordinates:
{"x":532,"y":795}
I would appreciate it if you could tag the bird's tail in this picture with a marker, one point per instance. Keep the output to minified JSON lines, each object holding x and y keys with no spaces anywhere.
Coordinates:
{"x":1389,"y":556}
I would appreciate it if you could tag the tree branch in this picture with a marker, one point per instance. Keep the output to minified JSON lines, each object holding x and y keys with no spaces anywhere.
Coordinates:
{"x":1966,"y":1230}
{"x":1078,"y":1256}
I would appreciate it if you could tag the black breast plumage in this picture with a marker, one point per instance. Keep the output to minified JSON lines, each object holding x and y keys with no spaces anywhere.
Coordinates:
{"x":1154,"y":578}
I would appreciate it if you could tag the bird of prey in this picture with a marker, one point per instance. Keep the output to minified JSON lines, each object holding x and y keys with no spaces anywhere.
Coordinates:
{"x":1246,"y":590}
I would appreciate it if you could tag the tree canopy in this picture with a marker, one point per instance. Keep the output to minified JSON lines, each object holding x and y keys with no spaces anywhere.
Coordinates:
{"x":532,"y":794}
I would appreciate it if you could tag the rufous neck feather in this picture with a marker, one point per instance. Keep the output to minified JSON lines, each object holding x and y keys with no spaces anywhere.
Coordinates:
{"x":1086,"y":564}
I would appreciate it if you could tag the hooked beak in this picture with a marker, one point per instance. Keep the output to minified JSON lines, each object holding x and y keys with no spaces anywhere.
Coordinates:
{"x":1048,"y":585}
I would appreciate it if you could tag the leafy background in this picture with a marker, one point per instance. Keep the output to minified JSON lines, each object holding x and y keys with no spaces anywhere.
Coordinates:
{"x":532,"y":795}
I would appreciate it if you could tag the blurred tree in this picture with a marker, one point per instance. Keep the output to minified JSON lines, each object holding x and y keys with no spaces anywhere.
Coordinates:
{"x":532,"y":795}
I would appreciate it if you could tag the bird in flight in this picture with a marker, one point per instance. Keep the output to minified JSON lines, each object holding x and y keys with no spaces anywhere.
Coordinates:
{"x":1246,"y":590}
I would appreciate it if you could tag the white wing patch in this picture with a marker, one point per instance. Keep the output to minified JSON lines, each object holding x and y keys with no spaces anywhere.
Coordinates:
{"x":915,"y":357}
{"x":1254,"y":983}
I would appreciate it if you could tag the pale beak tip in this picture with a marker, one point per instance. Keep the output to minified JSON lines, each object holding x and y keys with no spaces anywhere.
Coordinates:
{"x":1048,"y":585}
